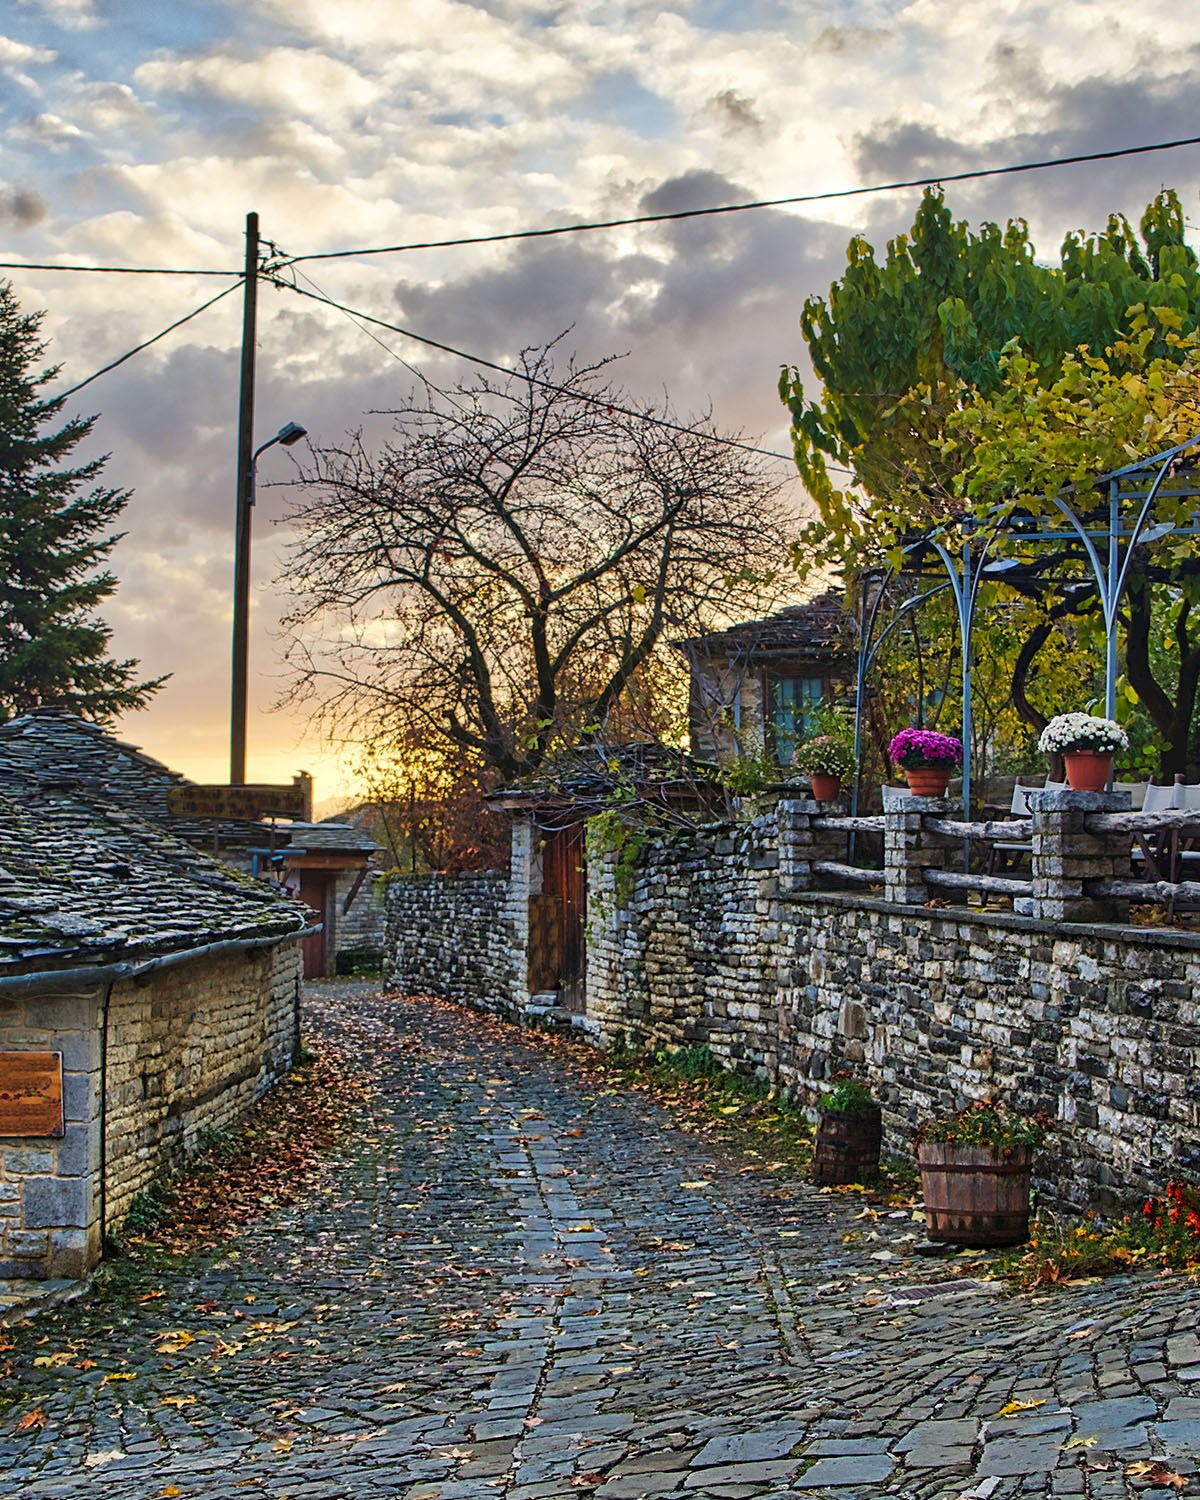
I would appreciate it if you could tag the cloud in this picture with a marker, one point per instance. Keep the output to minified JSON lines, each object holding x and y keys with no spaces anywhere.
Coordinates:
{"x":73,"y":15}
{"x":735,"y":113}
{"x":12,"y":51}
{"x":48,"y":129}
{"x":21,"y":207}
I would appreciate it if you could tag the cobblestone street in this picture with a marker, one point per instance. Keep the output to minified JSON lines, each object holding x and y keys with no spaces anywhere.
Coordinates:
{"x":520,"y":1283}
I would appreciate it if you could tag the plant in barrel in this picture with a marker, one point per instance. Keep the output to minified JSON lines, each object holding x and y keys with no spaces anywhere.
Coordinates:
{"x":976,"y":1166}
{"x":849,"y":1133}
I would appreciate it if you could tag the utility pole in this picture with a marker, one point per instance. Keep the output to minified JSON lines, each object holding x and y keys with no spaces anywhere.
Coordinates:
{"x":241,"y":564}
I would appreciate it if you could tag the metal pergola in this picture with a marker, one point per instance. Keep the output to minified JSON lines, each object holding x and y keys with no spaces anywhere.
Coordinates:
{"x":1108,"y":531}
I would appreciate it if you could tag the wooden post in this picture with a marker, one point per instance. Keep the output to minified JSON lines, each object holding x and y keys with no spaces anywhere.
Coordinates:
{"x":241,"y":556}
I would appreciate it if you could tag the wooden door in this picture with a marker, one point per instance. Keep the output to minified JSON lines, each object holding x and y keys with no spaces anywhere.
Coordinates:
{"x":314,"y":890}
{"x":564,"y":875}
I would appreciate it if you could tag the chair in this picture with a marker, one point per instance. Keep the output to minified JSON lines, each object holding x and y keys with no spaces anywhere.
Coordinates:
{"x":1007,"y":854}
{"x":1166,"y":856}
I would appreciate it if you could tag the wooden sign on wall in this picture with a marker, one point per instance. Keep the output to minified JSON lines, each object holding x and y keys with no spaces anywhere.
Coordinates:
{"x":31,"y":1093}
{"x":252,"y":802}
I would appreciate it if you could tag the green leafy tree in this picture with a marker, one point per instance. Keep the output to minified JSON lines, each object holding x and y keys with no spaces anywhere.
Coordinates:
{"x":899,"y":345}
{"x":1031,"y":438}
{"x":949,"y":322}
{"x":54,"y":537}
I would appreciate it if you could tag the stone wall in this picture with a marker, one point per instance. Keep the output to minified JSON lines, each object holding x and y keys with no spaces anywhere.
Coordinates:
{"x":50,"y":1189}
{"x":454,"y":937}
{"x":361,"y":930}
{"x":190,"y":1048}
{"x":1098,"y":1025}
{"x":727,"y":939}
{"x":147,"y":1065}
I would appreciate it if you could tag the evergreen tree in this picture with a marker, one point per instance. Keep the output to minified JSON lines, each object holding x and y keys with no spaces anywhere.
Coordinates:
{"x":54,"y":537}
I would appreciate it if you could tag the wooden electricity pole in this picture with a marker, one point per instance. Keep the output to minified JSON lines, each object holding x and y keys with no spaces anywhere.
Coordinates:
{"x":241,"y":563}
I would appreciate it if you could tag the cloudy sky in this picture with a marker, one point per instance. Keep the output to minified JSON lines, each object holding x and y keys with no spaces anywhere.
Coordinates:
{"x":141,"y":134}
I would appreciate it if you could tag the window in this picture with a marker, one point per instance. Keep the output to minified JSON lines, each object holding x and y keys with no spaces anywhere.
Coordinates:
{"x":793,"y":719}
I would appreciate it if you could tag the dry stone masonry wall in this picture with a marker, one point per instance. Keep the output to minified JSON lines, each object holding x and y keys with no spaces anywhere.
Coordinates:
{"x":725,"y":938}
{"x":190,"y":1049}
{"x":453,"y":937}
{"x":147,"y":1066}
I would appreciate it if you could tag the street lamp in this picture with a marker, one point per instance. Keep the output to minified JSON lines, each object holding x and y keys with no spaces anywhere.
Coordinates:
{"x":291,"y":433}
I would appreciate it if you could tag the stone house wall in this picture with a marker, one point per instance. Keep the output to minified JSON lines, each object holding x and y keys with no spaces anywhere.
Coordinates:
{"x":455,"y":938}
{"x":147,"y":1065}
{"x":190,"y":1048}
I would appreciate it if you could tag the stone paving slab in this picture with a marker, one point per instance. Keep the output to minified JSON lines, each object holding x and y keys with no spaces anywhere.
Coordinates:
{"x":519,"y":1283}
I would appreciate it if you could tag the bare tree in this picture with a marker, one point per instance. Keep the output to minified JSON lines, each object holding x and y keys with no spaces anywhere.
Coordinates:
{"x":508,"y":569}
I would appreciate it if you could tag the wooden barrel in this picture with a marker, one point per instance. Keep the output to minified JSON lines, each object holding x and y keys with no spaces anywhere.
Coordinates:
{"x":847,"y":1145}
{"x":974,"y":1195}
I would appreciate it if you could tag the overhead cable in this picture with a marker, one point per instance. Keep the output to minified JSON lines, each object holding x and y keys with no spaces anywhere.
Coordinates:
{"x":171,"y":327}
{"x":34,"y":265}
{"x":738,"y":208}
{"x":548,"y":385}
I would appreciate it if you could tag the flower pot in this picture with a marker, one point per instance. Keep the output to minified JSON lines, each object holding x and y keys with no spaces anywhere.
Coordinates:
{"x":1087,"y":770}
{"x":975,"y":1195}
{"x":928,"y":781}
{"x":847,"y":1145}
{"x":825,"y":788}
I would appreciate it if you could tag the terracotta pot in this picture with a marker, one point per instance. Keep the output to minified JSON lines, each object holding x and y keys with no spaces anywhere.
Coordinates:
{"x":928,"y":781}
{"x":825,"y":788}
{"x":1087,"y":770}
{"x":974,"y":1195}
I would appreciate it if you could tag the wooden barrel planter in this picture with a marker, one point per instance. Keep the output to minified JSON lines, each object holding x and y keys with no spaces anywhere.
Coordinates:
{"x":847,"y":1145}
{"x":974,"y":1195}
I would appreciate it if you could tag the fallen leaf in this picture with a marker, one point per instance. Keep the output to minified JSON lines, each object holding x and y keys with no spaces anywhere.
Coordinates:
{"x":53,"y":1361}
{"x":31,"y":1420}
{"x":1157,"y":1475}
{"x":1081,"y":1442}
{"x":1010,"y":1408}
{"x":118,"y":1375}
{"x":178,"y":1402}
{"x":170,"y":1492}
{"x":109,"y":1456}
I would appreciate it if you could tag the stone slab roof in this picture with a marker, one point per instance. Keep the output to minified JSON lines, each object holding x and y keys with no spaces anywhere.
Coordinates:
{"x":589,"y":777}
{"x":815,"y":631}
{"x":327,"y":838}
{"x":87,"y":879}
{"x":82,"y":881}
{"x":55,"y":746}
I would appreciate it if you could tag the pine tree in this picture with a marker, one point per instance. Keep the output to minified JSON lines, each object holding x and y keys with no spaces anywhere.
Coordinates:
{"x":54,"y":537}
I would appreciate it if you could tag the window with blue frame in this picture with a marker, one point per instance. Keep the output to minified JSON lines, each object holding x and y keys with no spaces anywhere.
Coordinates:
{"x":794,"y":701}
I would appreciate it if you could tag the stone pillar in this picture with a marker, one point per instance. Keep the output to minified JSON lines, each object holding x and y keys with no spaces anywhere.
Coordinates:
{"x":908,"y":850}
{"x":803,"y":843}
{"x":1066,"y":857}
{"x":525,"y":880}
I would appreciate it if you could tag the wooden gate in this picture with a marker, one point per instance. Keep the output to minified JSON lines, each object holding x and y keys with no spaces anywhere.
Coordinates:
{"x":315,"y":890}
{"x":564,"y":877}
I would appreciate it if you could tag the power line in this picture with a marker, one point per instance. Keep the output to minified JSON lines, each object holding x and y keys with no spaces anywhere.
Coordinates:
{"x":32,"y":265}
{"x":548,"y":385}
{"x":178,"y":323}
{"x":737,"y":208}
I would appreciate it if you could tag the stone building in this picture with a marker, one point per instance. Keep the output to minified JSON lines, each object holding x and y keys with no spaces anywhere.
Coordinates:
{"x":147,"y":992}
{"x":758,"y":683}
{"x":327,"y":865}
